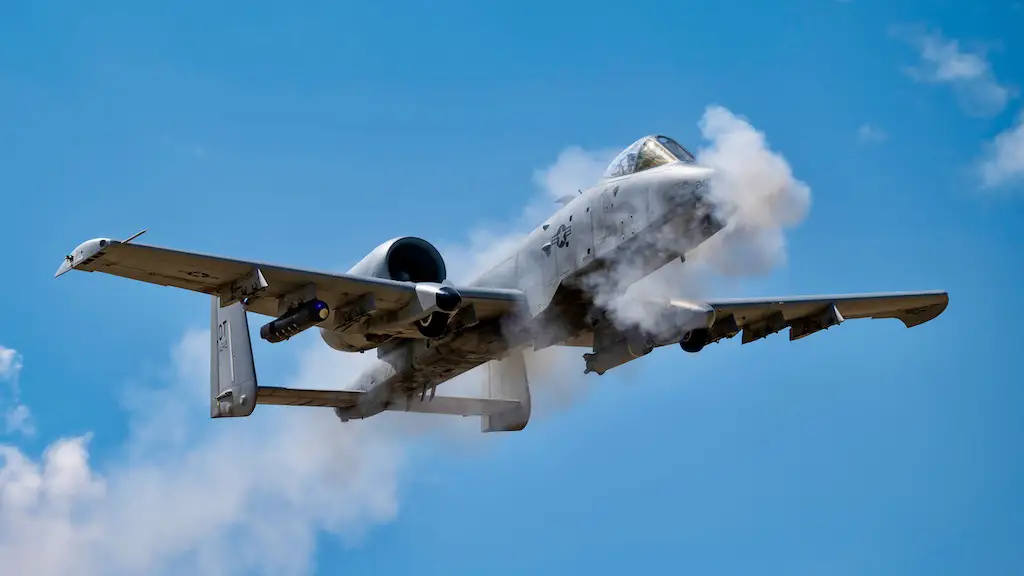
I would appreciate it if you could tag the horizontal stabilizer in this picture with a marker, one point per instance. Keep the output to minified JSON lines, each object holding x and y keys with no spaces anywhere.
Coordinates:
{"x":303,"y":397}
{"x":452,"y":405}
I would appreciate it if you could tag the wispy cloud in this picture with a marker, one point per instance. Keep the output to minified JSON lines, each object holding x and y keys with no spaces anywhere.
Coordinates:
{"x":10,"y":363}
{"x":17,"y":416}
{"x":869,"y":133}
{"x":575,"y":169}
{"x":969,"y":73}
{"x":1004,"y":159}
{"x":186,"y":487}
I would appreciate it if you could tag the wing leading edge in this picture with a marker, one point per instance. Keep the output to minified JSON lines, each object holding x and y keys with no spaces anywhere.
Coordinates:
{"x":805,"y":315}
{"x":264,"y":285}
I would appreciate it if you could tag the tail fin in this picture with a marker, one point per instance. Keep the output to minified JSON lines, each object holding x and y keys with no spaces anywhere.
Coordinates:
{"x":232,"y":369}
{"x":506,"y":379}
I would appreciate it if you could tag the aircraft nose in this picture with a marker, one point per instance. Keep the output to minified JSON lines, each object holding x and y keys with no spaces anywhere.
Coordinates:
{"x":701,"y":177}
{"x":699,"y":180}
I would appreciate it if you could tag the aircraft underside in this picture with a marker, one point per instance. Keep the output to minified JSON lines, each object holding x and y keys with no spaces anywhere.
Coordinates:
{"x":653,"y":206}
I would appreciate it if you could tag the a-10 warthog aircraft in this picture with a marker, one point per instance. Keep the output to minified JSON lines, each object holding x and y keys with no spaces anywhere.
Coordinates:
{"x":652,"y":206}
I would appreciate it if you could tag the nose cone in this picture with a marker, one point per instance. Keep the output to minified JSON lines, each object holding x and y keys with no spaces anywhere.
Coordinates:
{"x":700,"y":172}
{"x":689,"y":191}
{"x":688,"y":178}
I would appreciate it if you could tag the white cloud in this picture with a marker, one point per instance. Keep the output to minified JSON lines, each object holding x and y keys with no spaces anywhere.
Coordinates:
{"x":1004,"y":162}
{"x":212,"y":496}
{"x":17,"y":417}
{"x":10,"y":363}
{"x":870,"y":133}
{"x":944,"y":61}
{"x":575,"y":169}
{"x":188,"y":494}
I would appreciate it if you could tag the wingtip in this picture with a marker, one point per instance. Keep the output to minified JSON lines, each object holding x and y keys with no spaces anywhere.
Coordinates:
{"x":927,"y":313}
{"x":64,"y":267}
{"x":82,"y":253}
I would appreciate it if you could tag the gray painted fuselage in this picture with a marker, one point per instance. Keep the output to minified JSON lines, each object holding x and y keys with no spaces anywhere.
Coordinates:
{"x":619,"y":230}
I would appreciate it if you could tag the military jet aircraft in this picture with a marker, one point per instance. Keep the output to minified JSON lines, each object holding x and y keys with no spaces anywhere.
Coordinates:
{"x":653,"y":205}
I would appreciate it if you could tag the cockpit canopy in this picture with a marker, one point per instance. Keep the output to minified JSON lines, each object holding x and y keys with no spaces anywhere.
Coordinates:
{"x":645,"y":153}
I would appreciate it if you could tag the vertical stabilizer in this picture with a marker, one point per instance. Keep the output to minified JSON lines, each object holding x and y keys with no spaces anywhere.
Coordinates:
{"x":506,"y":379}
{"x":232,"y":369}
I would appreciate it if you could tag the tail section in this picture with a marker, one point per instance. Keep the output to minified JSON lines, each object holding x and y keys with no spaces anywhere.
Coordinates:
{"x":506,"y":379}
{"x":232,"y":369}
{"x":505,"y":406}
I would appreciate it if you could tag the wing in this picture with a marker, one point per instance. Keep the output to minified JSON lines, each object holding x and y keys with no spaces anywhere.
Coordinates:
{"x":805,"y":315}
{"x":269,"y":287}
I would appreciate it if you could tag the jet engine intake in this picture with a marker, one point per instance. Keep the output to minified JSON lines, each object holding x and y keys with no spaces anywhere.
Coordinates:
{"x":302,"y":317}
{"x":405,"y":259}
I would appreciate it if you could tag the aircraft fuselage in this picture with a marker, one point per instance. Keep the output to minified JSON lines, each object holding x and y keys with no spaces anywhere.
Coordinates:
{"x":604,"y":239}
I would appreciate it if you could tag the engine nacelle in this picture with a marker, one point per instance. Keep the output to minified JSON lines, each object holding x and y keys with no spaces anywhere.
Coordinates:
{"x":406,"y":259}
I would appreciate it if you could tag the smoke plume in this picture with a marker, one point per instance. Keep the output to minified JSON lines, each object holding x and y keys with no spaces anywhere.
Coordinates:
{"x":758,"y":198}
{"x":757,"y":192}
{"x":184,"y":492}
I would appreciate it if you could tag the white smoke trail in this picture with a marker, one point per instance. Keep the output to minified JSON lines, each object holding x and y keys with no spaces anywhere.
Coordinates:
{"x":186,"y":494}
{"x":757,"y":196}
{"x":757,"y":191}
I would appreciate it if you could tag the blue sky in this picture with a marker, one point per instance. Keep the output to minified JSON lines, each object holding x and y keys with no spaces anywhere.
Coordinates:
{"x":308,"y":136}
